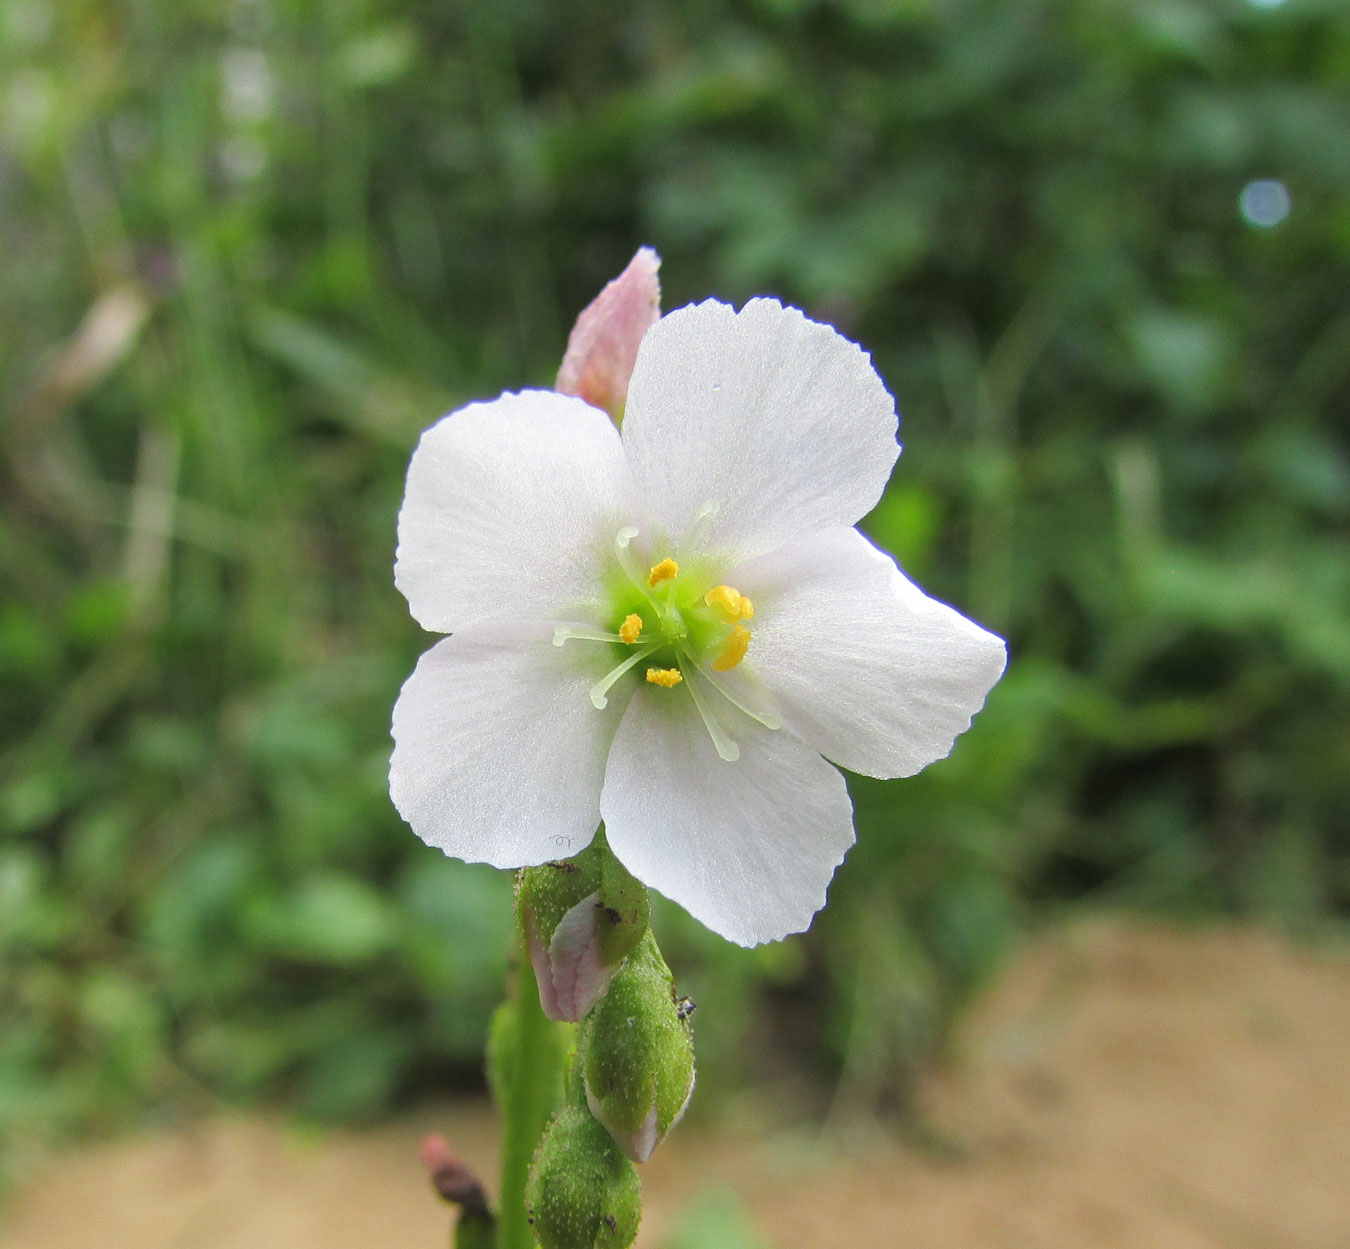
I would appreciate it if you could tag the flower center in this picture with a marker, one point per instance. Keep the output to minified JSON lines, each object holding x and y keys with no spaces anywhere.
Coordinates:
{"x":686,"y":631}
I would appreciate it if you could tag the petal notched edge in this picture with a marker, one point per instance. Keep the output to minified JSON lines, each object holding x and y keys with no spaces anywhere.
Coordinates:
{"x":863,"y":665}
{"x":778,"y":419}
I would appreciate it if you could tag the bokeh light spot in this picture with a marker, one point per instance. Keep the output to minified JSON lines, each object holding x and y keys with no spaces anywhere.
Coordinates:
{"x":1264,"y":203}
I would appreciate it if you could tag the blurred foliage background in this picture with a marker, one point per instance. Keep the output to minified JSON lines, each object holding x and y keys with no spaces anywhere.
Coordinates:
{"x":251,"y":249}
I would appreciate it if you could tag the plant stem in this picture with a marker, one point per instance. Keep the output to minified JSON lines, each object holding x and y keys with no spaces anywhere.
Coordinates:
{"x":530,"y":1091}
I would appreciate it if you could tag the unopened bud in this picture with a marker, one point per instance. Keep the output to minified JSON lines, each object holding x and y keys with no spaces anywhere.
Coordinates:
{"x":604,"y":341}
{"x":452,"y":1178}
{"x":582,"y":1192}
{"x":580,"y":919}
{"x":637,"y":1056}
{"x":458,"y":1185}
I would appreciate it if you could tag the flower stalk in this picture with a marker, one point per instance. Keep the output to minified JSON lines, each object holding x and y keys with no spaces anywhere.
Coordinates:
{"x":527,"y":1055}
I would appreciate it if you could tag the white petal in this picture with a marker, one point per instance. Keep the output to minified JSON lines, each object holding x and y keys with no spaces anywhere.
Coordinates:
{"x":748,"y":848}
{"x":499,"y":754}
{"x":860,"y":662}
{"x":511,"y":508}
{"x":779,"y":420}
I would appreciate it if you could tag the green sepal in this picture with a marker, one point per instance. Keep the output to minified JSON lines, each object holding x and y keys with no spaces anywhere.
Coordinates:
{"x":546,"y":893}
{"x":579,"y":919}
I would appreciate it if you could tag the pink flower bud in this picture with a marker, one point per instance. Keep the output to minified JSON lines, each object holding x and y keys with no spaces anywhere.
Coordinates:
{"x":604,"y":341}
{"x":580,"y":918}
{"x":451,"y":1177}
{"x":570,"y":968}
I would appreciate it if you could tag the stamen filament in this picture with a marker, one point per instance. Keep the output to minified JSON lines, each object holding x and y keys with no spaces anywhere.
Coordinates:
{"x":630,"y":569}
{"x":725,"y":747}
{"x":603,"y":685}
{"x":766,"y":716}
{"x":698,"y":528}
{"x":625,"y":556}
{"x":574,"y":633}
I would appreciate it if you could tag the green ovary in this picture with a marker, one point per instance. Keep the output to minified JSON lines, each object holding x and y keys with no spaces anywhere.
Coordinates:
{"x":672,"y":627}
{"x":673,"y":614}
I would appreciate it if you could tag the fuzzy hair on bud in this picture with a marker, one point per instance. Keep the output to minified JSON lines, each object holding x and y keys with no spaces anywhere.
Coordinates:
{"x":582,"y":1193}
{"x":637,"y":1055}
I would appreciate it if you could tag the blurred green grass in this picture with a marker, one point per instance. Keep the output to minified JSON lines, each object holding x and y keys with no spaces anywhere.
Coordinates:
{"x":250,"y":250}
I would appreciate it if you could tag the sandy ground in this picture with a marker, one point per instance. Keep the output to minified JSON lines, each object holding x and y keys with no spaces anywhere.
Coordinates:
{"x":1119,"y":1088}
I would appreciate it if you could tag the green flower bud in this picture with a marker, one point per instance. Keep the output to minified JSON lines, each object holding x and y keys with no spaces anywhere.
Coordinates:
{"x":580,"y":919}
{"x":636,"y":1054}
{"x":582,"y":1193}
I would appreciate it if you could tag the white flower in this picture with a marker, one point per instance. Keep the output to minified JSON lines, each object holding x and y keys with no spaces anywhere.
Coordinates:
{"x":667,"y":628}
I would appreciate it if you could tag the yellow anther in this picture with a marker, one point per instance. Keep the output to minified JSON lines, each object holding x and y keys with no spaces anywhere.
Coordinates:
{"x":663,"y":571}
{"x":732,"y":651}
{"x":730,"y":602}
{"x":666,"y":678}
{"x":631,"y":627}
